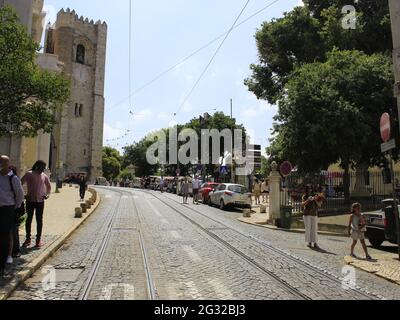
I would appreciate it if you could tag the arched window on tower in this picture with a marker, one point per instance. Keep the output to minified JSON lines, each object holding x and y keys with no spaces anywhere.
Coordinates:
{"x":80,"y":54}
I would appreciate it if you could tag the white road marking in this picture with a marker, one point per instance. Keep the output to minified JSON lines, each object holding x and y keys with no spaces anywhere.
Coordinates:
{"x":129,"y":291}
{"x":221,"y":291}
{"x":124,"y":197}
{"x":176,"y":235}
{"x":158,"y":213}
{"x":193,"y":291}
{"x":108,"y":196}
{"x":192,"y":254}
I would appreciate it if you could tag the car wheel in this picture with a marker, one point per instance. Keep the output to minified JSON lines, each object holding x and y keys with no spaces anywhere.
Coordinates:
{"x":375,"y":242}
{"x":222,"y":205}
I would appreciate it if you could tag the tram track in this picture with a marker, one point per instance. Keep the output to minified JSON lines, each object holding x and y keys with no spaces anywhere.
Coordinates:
{"x":279,"y":252}
{"x":102,"y":251}
{"x":282,"y":283}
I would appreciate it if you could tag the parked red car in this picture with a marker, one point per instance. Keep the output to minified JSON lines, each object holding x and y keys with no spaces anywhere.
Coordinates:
{"x":205,"y":189}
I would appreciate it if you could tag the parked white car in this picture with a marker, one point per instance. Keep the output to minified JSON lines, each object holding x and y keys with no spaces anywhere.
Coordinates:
{"x":230,"y":195}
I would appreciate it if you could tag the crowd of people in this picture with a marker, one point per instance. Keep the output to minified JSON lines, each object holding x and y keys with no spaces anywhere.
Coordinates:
{"x":15,"y":204}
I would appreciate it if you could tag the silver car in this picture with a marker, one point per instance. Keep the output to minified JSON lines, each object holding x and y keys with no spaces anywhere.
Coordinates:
{"x":230,"y":195}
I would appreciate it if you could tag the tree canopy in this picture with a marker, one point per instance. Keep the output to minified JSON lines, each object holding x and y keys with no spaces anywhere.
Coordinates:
{"x":28,"y":95}
{"x":111,"y":163}
{"x":136,"y":153}
{"x":331,"y":111}
{"x":308,"y":34}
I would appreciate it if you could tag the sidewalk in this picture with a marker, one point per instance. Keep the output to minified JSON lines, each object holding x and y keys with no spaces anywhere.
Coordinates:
{"x":384,"y":264}
{"x":59,"y":223}
{"x":327,"y":225}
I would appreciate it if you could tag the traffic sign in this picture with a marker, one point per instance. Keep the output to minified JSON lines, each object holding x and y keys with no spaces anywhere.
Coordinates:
{"x":286,"y":168}
{"x":223,"y":170}
{"x":385,"y":127}
{"x":387,"y":146}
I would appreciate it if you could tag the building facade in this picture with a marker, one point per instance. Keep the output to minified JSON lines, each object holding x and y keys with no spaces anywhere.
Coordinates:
{"x":77,"y":140}
{"x":75,"y":47}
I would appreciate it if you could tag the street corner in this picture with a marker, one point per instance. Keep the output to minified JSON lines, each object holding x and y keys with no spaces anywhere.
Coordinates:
{"x":384,"y":265}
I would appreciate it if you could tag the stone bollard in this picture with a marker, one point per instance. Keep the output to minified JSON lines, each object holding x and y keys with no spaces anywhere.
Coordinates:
{"x":263,"y":208}
{"x":78,"y":212}
{"x":70,"y":185}
{"x":247,"y":213}
{"x":88,"y":204}
{"x":84,"y":207}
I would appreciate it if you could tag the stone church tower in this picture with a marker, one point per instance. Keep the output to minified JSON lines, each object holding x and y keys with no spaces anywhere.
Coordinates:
{"x":77,"y":141}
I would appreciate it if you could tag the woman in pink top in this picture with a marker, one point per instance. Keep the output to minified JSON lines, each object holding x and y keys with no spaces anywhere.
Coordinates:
{"x":39,"y":189}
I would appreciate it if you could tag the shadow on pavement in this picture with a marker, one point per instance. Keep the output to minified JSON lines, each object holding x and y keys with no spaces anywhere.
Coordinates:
{"x":320,"y":250}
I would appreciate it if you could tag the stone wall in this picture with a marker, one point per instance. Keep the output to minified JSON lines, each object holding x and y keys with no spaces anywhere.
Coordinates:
{"x":80,"y":137}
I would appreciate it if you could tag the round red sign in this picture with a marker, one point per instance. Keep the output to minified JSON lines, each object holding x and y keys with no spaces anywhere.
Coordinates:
{"x":286,"y":168}
{"x":385,"y":127}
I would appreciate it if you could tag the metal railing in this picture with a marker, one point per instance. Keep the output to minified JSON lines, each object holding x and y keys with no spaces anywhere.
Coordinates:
{"x":376,"y":184}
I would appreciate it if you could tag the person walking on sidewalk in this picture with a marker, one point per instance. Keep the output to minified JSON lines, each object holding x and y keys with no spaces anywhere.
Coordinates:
{"x":357,"y":229}
{"x":185,"y":190}
{"x":11,"y":197}
{"x":15,"y":250}
{"x":264,"y":190}
{"x":82,"y":182}
{"x":162,"y":183}
{"x":39,"y":189}
{"x":196,"y":187}
{"x":257,"y":191}
{"x":310,"y":205}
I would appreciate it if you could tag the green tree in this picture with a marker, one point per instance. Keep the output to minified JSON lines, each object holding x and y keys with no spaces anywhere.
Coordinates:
{"x":265,"y":167}
{"x":331,"y":111}
{"x":136,"y":154}
{"x":28,"y":95}
{"x":111,"y":163}
{"x":125,"y":174}
{"x":308,"y":34}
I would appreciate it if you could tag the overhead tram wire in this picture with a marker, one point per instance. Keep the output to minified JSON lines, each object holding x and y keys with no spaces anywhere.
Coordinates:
{"x":166,"y":71}
{"x":130,"y":54}
{"x":211,"y":60}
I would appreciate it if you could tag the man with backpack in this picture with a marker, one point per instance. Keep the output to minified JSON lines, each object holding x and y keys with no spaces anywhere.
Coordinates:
{"x":11,"y":197}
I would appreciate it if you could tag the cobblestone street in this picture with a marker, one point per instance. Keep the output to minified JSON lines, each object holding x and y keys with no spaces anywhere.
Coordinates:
{"x":147,"y":245}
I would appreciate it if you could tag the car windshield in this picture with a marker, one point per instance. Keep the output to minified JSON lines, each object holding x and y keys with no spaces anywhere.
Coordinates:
{"x":238,"y":189}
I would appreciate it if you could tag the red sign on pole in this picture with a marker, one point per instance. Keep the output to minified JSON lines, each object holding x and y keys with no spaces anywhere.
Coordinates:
{"x":286,"y":168}
{"x":385,"y":127}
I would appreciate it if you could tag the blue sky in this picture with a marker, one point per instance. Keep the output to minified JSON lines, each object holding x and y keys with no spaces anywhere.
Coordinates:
{"x":165,"y":32}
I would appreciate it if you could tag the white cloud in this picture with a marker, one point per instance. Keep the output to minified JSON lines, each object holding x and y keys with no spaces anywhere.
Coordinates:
{"x":187,"y":107}
{"x":144,"y":114}
{"x":111,"y":132}
{"x":256,"y":111}
{"x":163,"y":116}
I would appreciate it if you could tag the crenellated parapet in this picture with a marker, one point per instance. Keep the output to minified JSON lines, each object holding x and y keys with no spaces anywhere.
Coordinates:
{"x":70,"y":17}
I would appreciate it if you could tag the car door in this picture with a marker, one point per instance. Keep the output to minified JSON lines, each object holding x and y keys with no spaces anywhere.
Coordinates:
{"x":212,"y":195}
{"x":218,"y":193}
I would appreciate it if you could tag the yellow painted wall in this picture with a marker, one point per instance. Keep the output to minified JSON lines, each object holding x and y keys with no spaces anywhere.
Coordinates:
{"x":30,"y":152}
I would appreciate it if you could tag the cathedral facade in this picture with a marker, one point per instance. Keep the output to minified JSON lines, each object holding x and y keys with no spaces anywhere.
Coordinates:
{"x":75,"y":47}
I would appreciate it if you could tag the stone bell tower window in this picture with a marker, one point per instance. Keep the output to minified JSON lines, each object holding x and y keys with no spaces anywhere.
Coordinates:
{"x":80,"y":54}
{"x":78,"y":110}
